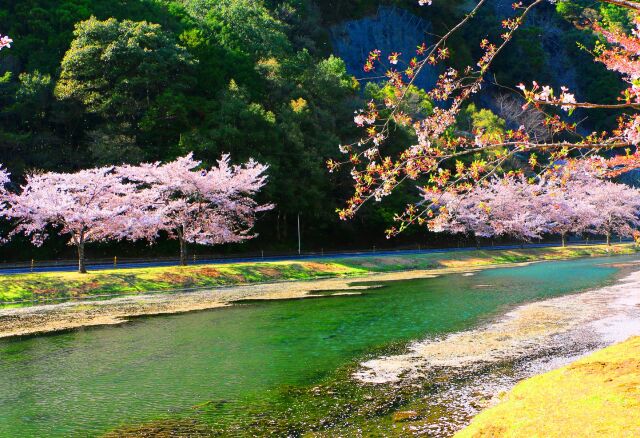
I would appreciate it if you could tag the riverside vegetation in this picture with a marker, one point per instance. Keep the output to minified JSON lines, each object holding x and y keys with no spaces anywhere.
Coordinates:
{"x":39,"y":287}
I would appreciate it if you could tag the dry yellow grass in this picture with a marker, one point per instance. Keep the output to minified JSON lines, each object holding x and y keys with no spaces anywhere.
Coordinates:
{"x":597,"y":396}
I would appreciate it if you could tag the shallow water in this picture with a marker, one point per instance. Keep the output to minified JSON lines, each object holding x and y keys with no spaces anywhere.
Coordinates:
{"x":225,"y":367}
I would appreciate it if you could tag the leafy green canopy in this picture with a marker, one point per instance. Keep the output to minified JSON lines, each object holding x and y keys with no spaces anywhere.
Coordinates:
{"x":99,"y":82}
{"x":92,"y":82}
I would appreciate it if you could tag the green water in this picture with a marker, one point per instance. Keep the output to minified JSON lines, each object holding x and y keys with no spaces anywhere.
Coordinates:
{"x":86,"y":382}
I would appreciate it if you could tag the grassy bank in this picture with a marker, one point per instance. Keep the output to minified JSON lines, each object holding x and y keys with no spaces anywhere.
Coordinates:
{"x":596,"y":396}
{"x":45,"y":286}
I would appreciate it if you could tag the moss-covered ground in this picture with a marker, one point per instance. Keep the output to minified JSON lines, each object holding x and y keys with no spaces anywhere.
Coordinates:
{"x":598,"y":395}
{"x":38,"y":287}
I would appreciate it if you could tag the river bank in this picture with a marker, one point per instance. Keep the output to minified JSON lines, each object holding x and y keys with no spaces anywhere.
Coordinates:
{"x":91,"y":309}
{"x":74,"y":314}
{"x":39,"y":288}
{"x":598,"y":395}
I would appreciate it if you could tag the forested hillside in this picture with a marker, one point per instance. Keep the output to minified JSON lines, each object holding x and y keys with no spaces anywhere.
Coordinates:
{"x":96,"y":82}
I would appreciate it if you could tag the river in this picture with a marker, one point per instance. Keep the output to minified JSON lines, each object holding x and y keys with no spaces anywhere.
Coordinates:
{"x":284,"y":367}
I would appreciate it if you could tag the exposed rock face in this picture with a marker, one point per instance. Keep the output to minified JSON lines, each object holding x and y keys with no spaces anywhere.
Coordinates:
{"x":390,"y":30}
{"x":393,"y":29}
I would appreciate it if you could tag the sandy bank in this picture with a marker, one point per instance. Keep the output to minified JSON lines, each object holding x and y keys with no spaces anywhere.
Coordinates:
{"x":75,"y":314}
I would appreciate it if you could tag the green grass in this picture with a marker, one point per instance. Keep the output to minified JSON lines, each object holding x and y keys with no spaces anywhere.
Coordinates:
{"x":40,"y":287}
{"x":481,"y":257}
{"x":50,"y":285}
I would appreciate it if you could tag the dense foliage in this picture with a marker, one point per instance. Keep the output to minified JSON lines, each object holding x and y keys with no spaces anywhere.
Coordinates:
{"x":102,"y":82}
{"x":98,"y":82}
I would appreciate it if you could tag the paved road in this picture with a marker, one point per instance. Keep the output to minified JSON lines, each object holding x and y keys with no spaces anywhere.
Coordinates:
{"x":70,"y":267}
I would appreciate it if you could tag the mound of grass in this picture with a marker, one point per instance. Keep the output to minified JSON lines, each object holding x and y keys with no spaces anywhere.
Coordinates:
{"x":50,"y":285}
{"x":596,"y":396}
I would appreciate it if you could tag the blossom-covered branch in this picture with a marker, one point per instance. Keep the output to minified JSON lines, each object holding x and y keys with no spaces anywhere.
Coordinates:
{"x":435,"y":161}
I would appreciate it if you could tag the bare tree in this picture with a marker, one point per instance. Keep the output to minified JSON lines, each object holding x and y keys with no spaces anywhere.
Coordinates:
{"x":511,"y":108}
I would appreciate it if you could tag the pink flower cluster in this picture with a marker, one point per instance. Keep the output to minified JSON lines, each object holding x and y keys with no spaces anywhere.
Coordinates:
{"x":5,"y":41}
{"x":545,"y":95}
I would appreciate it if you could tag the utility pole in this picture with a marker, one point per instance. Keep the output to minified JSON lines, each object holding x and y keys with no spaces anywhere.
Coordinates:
{"x":299,"y":237}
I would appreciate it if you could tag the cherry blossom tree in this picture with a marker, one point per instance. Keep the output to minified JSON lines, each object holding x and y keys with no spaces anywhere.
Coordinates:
{"x":569,"y":208}
{"x":508,"y":206}
{"x":569,"y":211}
{"x":617,"y":207}
{"x":196,"y":205}
{"x":571,"y":199}
{"x":518,"y":209}
{"x":582,"y":201}
{"x":463,"y":214}
{"x":87,"y":206}
{"x":459,"y":162}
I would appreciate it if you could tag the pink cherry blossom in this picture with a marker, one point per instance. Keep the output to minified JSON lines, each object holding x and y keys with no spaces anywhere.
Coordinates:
{"x":196,"y":205}
{"x":87,"y":206}
{"x":617,"y":207}
{"x":571,"y":200}
{"x":5,"y":41}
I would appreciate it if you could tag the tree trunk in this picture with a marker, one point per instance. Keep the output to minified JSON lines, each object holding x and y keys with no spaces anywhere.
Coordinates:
{"x":608,"y":239}
{"x":183,"y":250}
{"x":82,"y":268}
{"x":564,"y":240}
